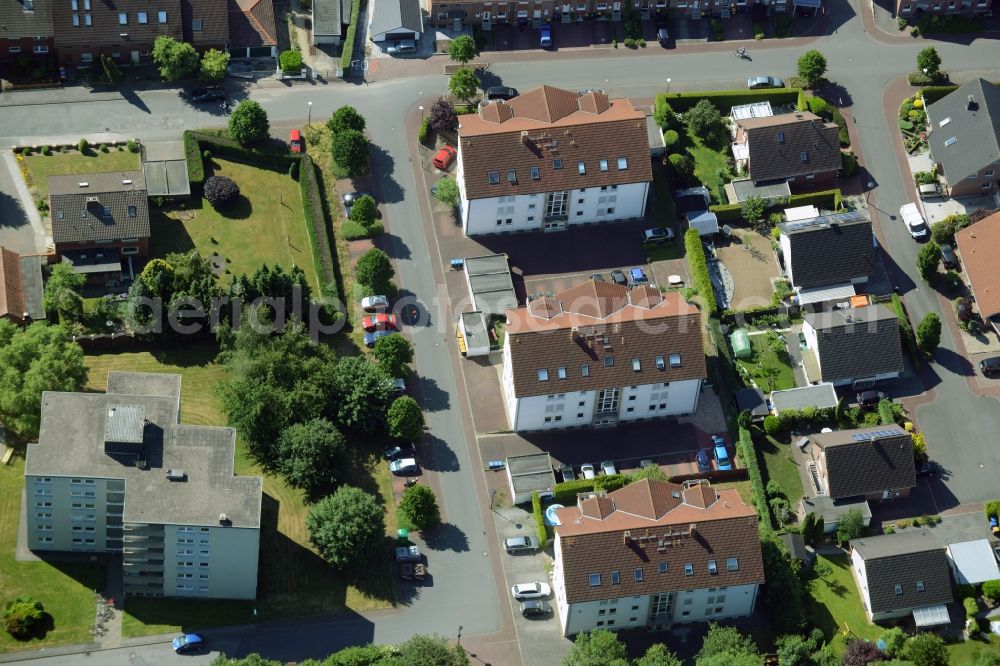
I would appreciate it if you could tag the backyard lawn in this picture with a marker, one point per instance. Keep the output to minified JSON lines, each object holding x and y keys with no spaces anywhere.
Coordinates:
{"x":265,"y":225}
{"x":293,"y":581}
{"x":780,"y":467}
{"x":42,"y":166}
{"x":769,"y":366}
{"x":711,"y":166}
{"x":835,"y":606}
{"x":965,"y":652}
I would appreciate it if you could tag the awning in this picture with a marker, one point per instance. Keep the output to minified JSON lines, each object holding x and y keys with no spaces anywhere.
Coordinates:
{"x":930,"y":616}
{"x":806,"y":3}
{"x":829,"y":293}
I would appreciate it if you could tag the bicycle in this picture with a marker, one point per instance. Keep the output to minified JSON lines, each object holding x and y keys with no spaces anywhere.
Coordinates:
{"x":741,"y":53}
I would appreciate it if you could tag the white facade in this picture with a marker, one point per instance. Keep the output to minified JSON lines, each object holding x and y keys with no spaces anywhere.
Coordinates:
{"x":861,"y":578}
{"x":210,"y":562}
{"x":549,"y":211}
{"x":582,"y":409}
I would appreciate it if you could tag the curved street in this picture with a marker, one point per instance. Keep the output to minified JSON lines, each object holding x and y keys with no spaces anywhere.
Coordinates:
{"x":468,"y":592}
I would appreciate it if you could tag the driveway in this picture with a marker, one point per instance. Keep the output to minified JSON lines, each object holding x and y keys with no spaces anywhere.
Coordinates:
{"x":16,"y":232}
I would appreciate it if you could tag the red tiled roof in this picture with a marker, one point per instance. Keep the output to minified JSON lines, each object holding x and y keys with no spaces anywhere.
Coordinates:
{"x":977,"y":245}
{"x":251,"y":23}
{"x":665,"y":523}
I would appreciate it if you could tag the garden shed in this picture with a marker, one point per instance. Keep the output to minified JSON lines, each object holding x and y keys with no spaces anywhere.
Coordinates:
{"x":741,"y":343}
{"x":704,"y":221}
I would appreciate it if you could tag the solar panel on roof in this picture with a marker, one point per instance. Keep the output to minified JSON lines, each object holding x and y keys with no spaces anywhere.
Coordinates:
{"x":865,"y":436}
{"x":825,"y":220}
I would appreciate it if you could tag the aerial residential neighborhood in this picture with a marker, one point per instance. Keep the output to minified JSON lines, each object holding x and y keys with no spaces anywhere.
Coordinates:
{"x":527,"y":334}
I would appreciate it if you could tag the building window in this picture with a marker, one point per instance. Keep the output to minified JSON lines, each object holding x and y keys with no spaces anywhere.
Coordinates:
{"x":688,"y":569}
{"x":161,"y":17}
{"x":512,"y":176}
{"x":600,"y":623}
{"x":76,"y":20}
{"x":712,"y":567}
{"x":494,"y":177}
{"x":535,"y":174}
{"x":557,"y":164}
{"x":615,"y":578}
{"x":899,"y":590}
{"x":41,"y":48}
{"x":636,"y":365}
{"x":123,"y":19}
{"x":622,"y":163}
{"x":609,"y":361}
{"x":804,"y":156}
{"x":675,"y":360}
{"x":585,"y":370}
{"x":637,"y":573}
{"x":732,"y":564}
{"x":581,"y":168}
{"x":88,"y":19}
{"x":143,"y":18}
{"x":663,"y":567}
{"x":595,"y":580}
{"x":611,"y":623}
{"x":15,"y":49}
{"x":543,"y":375}
{"x":561,"y":373}
{"x":611,"y":211}
{"x":196,"y":25}
{"x":920,"y":586}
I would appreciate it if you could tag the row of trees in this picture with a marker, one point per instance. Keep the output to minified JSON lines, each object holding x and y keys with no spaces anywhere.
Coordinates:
{"x":179,"y":60}
{"x":419,"y":650}
{"x":349,"y":144}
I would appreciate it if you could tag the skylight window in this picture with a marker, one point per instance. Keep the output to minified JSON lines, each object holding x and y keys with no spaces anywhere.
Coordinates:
{"x":622,"y":163}
{"x":951,"y":141}
{"x":535,"y":174}
{"x":944,"y":122}
{"x":581,"y":168}
{"x":603,"y":164}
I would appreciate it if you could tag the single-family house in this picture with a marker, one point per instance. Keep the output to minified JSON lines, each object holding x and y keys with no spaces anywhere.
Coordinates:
{"x":977,"y":247}
{"x":903,"y":574}
{"x":848,"y":345}
{"x":964,"y":138}
{"x":874,"y":463}
{"x":798,"y":148}
{"x":655,"y":554}
{"x":252,"y":30}
{"x":599,"y":353}
{"x":551,"y":158}
{"x":396,"y":19}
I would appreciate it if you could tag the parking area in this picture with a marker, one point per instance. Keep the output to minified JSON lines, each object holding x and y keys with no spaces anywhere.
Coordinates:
{"x":564,"y":35}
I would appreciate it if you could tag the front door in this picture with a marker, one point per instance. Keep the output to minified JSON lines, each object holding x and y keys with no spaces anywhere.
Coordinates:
{"x":134,"y":57}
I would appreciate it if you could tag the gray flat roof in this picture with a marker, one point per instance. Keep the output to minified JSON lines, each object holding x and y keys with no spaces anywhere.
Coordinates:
{"x":475,"y":325}
{"x":167,"y":178}
{"x":327,"y":17}
{"x":490,"y":285}
{"x":745,"y":188}
{"x":900,"y":543}
{"x":97,"y":260}
{"x":492,"y":263}
{"x":71,"y":443}
{"x":832,"y":510}
{"x":525,"y":483}
{"x":158,"y":151}
{"x":529,"y":464}
{"x":817,"y":395}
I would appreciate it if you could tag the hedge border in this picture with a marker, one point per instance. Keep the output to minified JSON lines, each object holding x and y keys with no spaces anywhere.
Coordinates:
{"x":536,"y":509}
{"x":726,"y":99}
{"x":565,"y":492}
{"x":699,"y":270}
{"x":347,"y":46}
{"x":748,"y":452}
{"x":906,"y":330}
{"x":828,"y":199}
{"x":317,"y":221}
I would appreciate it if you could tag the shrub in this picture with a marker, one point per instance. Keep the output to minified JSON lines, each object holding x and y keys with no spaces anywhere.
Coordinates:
{"x":991,"y":590}
{"x":848,"y":164}
{"x":419,"y":507}
{"x":364,"y":211}
{"x":346,"y":118}
{"x":819,"y":106}
{"x":82,"y":145}
{"x":425,"y":129}
{"x":248,"y":123}
{"x":670,"y":137}
{"x":850,"y":526}
{"x":350,"y":151}
{"x":915,"y":32}
{"x":889,"y":529}
{"x":929,"y":333}
{"x":104,"y":148}
{"x":290,"y":61}
{"x":610,"y":482}
{"x":23,"y":617}
{"x":745,"y":450}
{"x":970,"y":606}
{"x":221,"y":191}
{"x":566,"y":492}
{"x":133,"y":146}
{"x":901,"y":23}
{"x":771,"y":424}
{"x":699,"y":270}
{"x":536,"y":509}
{"x":924,"y":178}
{"x":352,"y":230}
{"x":446,"y":191}
{"x":812,"y":66}
{"x":46,"y":150}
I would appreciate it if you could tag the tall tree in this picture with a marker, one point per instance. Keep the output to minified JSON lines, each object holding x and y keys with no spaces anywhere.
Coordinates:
{"x":929,"y":62}
{"x":658,"y":654}
{"x":850,"y":526}
{"x":794,"y":650}
{"x":929,"y":333}
{"x":928,"y":259}
{"x":176,"y":60}
{"x":596,"y":648}
{"x":703,"y":119}
{"x":442,"y":117}
{"x":350,"y":151}
{"x":374,"y":270}
{"x":39,"y":358}
{"x":752,"y":209}
{"x":862,"y":653}
{"x":463,"y":49}
{"x":405,"y":419}
{"x":419,"y":508}
{"x":926,"y":649}
{"x":463,"y":84}
{"x":812,"y":67}
{"x":346,"y":118}
{"x":361,"y":397}
{"x":446,"y":191}
{"x":62,"y":293}
{"x":428,"y":650}
{"x":313,"y":456}
{"x":346,"y":527}
{"x":783,"y":593}
{"x":214,"y":64}
{"x":248,"y":123}
{"x":725,"y":640}
{"x":394,"y":354}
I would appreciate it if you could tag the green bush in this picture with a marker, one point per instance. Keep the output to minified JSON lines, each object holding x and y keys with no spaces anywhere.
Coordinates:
{"x":699,"y":270}
{"x":825,"y":199}
{"x":425,"y":130}
{"x":104,"y":148}
{"x":771,"y":424}
{"x":906,"y":330}
{"x":352,"y":230}
{"x":748,"y":454}
{"x":23,"y":617}
{"x":347,"y":48}
{"x":991,"y":590}
{"x":536,"y":509}
{"x":566,"y":492}
{"x":610,"y":483}
{"x":819,"y":106}
{"x":670,"y":137}
{"x":848,"y":164}
{"x":970,"y":606}
{"x":924,"y":178}
{"x":992,"y":508}
{"x":82,"y":145}
{"x":290,"y":61}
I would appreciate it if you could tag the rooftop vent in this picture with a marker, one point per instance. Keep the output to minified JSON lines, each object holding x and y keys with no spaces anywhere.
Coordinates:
{"x":224,"y":519}
{"x":176,"y":475}
{"x":971,"y":103}
{"x":84,"y":184}
{"x":92,"y":200}
{"x":126,"y":181}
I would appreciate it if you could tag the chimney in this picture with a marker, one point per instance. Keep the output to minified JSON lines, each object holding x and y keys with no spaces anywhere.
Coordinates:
{"x":524,"y":138}
{"x":971,"y":104}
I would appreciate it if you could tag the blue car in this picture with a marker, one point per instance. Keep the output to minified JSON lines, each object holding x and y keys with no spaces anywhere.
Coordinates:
{"x":721,"y":454}
{"x":545,"y":36}
{"x":704,"y":462}
{"x":188,"y":643}
{"x":372,"y":336}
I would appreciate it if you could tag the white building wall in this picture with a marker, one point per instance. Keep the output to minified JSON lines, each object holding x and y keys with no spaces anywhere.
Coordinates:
{"x":212,"y":562}
{"x":526,"y":212}
{"x":651,"y":401}
{"x":510,"y":402}
{"x":861,"y":578}
{"x":786,"y":253}
{"x":64,"y":513}
{"x":712,"y":603}
{"x":613,"y":614}
{"x":574,"y":409}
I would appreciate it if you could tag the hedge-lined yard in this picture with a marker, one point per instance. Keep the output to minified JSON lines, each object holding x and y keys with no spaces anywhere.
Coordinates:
{"x":825,"y":200}
{"x":726,"y":99}
{"x":347,"y":47}
{"x":699,"y":270}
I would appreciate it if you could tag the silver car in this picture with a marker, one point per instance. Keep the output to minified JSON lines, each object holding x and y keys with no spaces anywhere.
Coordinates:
{"x":765,"y":82}
{"x":520,"y":544}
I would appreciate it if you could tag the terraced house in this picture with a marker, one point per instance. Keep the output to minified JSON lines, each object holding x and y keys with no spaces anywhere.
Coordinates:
{"x":600,"y":353}
{"x":655,"y":554}
{"x":27,"y":29}
{"x":552,"y":158}
{"x":117,"y":473}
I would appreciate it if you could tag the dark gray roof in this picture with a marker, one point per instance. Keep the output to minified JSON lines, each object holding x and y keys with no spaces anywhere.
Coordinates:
{"x":752,"y":400}
{"x":327,"y":18}
{"x":20,"y":23}
{"x":392,"y":15}
{"x":830,"y":250}
{"x":790,"y":144}
{"x":71,"y":443}
{"x":904,"y":559}
{"x":867,"y":460}
{"x":976,"y":130}
{"x":832,"y":510}
{"x":98,"y":206}
{"x":771,"y":189}
{"x":31,"y":281}
{"x":93,"y":260}
{"x":857,"y":342}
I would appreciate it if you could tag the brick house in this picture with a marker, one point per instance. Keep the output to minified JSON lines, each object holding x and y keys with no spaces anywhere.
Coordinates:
{"x":795,"y":147}
{"x":654,"y":554}
{"x":27,"y":29}
{"x":124,"y":30}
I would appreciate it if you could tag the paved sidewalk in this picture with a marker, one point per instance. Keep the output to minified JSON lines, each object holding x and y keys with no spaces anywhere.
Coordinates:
{"x":42,"y":238}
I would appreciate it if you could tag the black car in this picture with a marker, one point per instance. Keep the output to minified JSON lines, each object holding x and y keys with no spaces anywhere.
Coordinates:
{"x":990,"y":366}
{"x":618,"y":277}
{"x":400,"y":451}
{"x":209,"y":94}
{"x":870,"y":399}
{"x":349,"y":199}
{"x":948,"y":257}
{"x":926,"y":468}
{"x":501,"y":92}
{"x":535,"y":608}
{"x":662,"y":35}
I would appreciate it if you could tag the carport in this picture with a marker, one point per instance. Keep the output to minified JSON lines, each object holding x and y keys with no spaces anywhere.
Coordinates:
{"x":530,"y":473}
{"x":973,"y":562}
{"x":165,"y":169}
{"x":491,"y":288}
{"x":816,"y":396}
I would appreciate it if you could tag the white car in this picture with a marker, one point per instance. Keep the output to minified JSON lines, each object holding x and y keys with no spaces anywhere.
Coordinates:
{"x":608,"y":467}
{"x":587,"y":471}
{"x":536,"y":590}
{"x":914,"y":220}
{"x":374,"y":303}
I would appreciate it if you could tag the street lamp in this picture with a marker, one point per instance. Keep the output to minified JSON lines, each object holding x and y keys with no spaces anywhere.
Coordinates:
{"x":459,"y":626}
{"x":309,"y":122}
{"x":421,"y":107}
{"x":668,"y":84}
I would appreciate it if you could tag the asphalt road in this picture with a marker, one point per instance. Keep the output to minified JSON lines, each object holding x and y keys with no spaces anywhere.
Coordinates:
{"x":464,"y":591}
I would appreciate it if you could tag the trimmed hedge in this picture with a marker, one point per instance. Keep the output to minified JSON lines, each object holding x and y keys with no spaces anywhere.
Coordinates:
{"x":726,"y":99}
{"x":536,"y":509}
{"x":748,"y":454}
{"x":317,"y":221}
{"x":347,"y":46}
{"x":565,"y":492}
{"x":906,"y":331}
{"x":826,"y":199}
{"x":699,"y":270}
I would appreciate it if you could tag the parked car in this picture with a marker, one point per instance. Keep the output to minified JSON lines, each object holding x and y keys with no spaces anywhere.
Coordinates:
{"x":404,"y":467}
{"x":597,"y":277}
{"x":587,"y":471}
{"x":658,"y":235}
{"x":765,"y":82}
{"x":590,"y":90}
{"x":870,"y":399}
{"x":188,"y":643}
{"x":914,"y":221}
{"x":295,"y":141}
{"x":535,"y":608}
{"x":536,"y":590}
{"x":608,"y":468}
{"x":399,"y":386}
{"x":948,"y":257}
{"x":380,"y":322}
{"x":618,"y":277}
{"x":520,"y":544}
{"x":567,"y":473}
{"x":209,"y":94}
{"x":722,"y":459}
{"x":929,"y":190}
{"x":444,"y":157}
{"x":636,"y":276}
{"x":374,"y":303}
{"x":501,"y":92}
{"x":402,"y":47}
{"x":400,"y":451}
{"x":662,"y":35}
{"x":704,"y":462}
{"x":545,"y":36}
{"x":990,"y":366}
{"x":371,"y":337}
{"x":349,"y":198}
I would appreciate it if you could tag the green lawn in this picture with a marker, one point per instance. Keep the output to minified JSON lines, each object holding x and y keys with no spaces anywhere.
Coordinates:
{"x":742,"y":487}
{"x":711,"y":166}
{"x":666,"y":216}
{"x":963,"y":653}
{"x":835,"y":605}
{"x":65,"y":589}
{"x":780,"y":467}
{"x":293,"y":581}
{"x":770,"y":369}
{"x":266,"y":225}
{"x":42,"y":167}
